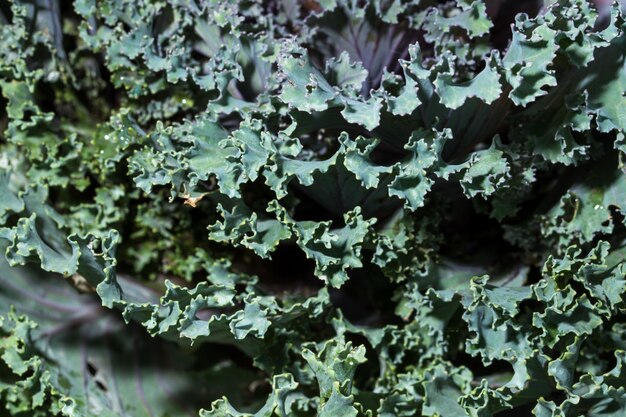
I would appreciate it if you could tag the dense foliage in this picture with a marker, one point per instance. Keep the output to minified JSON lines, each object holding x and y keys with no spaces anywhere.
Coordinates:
{"x":331,"y":208}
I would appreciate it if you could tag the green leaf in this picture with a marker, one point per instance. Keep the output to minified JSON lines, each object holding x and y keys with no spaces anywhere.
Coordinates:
{"x":485,"y":86}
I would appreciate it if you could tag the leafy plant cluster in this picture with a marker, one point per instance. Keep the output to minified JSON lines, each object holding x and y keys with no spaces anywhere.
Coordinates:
{"x":334,"y":208}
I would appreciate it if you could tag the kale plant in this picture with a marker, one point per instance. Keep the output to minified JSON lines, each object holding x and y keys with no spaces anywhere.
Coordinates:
{"x":334,"y":208}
